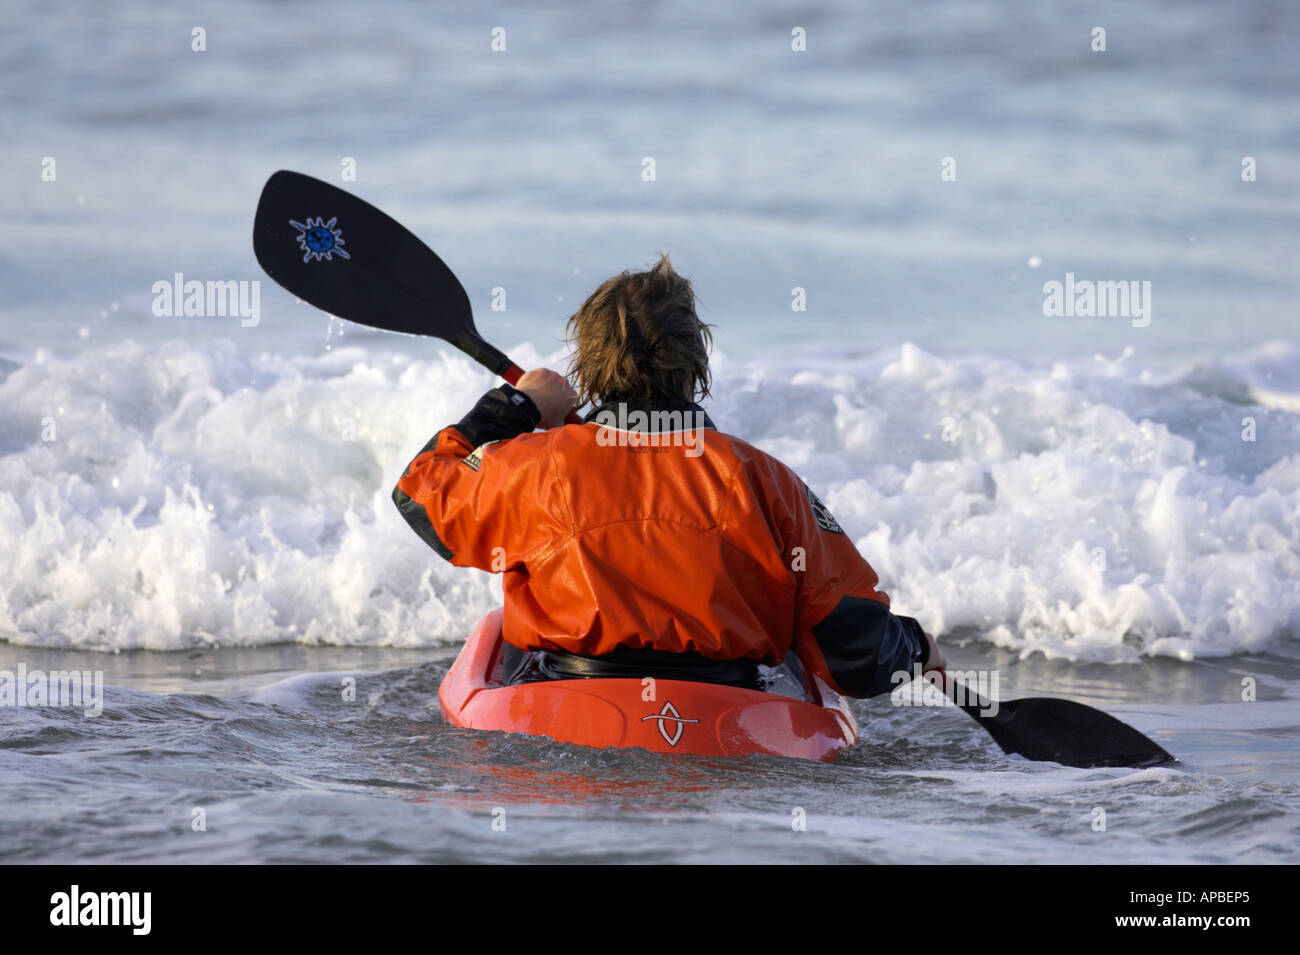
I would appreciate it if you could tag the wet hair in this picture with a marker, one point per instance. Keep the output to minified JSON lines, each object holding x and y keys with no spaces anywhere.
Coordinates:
{"x":637,"y":338}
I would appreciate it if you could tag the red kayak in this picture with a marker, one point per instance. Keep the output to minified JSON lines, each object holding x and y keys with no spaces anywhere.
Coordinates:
{"x":665,"y":716}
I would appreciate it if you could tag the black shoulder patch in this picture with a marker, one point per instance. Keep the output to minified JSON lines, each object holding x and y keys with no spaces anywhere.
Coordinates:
{"x":825,"y":519}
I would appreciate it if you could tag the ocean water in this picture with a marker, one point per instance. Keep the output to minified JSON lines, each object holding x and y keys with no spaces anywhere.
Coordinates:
{"x":1105,"y":508}
{"x":254,"y":756}
{"x":773,"y":169}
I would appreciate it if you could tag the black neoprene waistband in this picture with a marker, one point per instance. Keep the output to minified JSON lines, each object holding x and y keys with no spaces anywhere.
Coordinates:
{"x":630,"y":663}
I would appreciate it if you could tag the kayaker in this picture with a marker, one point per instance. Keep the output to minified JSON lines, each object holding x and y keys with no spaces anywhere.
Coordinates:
{"x":645,"y":542}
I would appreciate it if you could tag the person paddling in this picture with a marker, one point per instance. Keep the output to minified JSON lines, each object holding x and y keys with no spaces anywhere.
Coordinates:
{"x":645,"y":542}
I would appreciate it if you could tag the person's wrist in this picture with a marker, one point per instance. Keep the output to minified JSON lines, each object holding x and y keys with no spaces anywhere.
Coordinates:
{"x":523,"y":402}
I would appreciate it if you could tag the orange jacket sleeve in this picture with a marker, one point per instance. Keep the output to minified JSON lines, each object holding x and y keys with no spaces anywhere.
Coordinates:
{"x":457,"y":494}
{"x":844,"y":629}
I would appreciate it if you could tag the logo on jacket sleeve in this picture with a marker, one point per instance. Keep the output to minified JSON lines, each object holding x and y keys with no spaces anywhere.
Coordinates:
{"x":475,"y":457}
{"x":825,"y":519}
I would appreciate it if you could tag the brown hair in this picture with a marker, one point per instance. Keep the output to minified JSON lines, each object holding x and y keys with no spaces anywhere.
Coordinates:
{"x":637,"y":337}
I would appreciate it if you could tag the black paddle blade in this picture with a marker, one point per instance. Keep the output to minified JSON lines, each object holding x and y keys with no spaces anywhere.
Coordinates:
{"x":346,"y":257}
{"x":1069,"y":733}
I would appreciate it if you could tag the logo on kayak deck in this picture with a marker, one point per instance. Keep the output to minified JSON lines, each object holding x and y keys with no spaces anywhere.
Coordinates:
{"x":669,"y":714}
{"x":319,"y":239}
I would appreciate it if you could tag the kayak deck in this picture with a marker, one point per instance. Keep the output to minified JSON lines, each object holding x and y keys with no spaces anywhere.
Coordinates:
{"x":664,"y":716}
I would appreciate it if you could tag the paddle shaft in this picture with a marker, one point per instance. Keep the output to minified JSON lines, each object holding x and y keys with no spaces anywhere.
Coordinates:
{"x":495,"y":361}
{"x":952,"y":685}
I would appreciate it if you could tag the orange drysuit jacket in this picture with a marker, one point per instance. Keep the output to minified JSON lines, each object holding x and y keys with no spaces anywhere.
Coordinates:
{"x":647,"y":527}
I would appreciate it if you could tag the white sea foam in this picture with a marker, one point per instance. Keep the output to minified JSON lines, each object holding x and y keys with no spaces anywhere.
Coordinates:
{"x":191,"y":495}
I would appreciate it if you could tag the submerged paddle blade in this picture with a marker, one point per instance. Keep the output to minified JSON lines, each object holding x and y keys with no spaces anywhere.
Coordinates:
{"x":346,"y":257}
{"x":1069,"y":733}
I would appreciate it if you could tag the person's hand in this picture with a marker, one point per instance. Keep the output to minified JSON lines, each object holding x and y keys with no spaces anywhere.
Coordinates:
{"x":552,"y":394}
{"x":936,"y":660}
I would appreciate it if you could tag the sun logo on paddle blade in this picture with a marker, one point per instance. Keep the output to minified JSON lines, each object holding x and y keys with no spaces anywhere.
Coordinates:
{"x":666,"y":715}
{"x":319,"y":239}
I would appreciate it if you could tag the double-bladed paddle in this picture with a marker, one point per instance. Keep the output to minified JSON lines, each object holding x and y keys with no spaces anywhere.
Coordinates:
{"x":346,"y":257}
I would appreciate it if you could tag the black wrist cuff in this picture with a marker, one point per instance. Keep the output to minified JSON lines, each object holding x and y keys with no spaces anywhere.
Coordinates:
{"x":916,"y":633}
{"x":520,"y":401}
{"x":504,"y":412}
